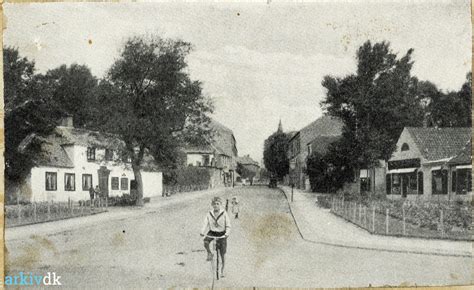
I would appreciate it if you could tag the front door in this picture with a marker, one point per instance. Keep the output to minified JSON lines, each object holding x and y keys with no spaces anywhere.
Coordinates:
{"x":104,"y":180}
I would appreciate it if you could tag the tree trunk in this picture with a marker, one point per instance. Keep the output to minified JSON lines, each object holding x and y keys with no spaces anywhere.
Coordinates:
{"x":138,"y":180}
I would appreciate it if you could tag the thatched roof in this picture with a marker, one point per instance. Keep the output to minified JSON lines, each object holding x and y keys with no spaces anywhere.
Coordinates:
{"x":53,"y":153}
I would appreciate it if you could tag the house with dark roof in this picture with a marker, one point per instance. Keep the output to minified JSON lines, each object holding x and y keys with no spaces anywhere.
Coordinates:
{"x":220,"y":154}
{"x":431,"y":163}
{"x":73,"y":160}
{"x":250,"y":167}
{"x":310,"y":138}
{"x":460,"y":168}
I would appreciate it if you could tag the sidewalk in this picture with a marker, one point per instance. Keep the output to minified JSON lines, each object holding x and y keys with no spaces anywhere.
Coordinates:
{"x":113,"y":214}
{"x":319,"y":225}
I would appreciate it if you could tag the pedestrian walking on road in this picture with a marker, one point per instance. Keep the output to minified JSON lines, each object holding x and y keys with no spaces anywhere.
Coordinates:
{"x":235,"y":207}
{"x":91,"y":194}
{"x":216,"y":224}
{"x":98,"y":194}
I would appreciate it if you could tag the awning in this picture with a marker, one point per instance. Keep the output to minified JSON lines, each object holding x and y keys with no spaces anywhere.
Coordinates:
{"x":469,"y":166}
{"x":435,"y":168}
{"x":402,"y":170}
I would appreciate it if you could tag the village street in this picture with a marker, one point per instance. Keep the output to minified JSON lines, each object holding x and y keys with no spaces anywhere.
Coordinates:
{"x":160,"y":246}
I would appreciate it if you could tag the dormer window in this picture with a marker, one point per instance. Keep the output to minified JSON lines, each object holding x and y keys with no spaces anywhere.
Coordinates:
{"x":90,"y":154}
{"x":405,"y":147}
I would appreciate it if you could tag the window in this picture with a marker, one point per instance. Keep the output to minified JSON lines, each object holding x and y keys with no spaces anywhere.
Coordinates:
{"x":405,"y":147}
{"x":90,"y":153}
{"x":388,"y":183}
{"x":439,"y":182}
{"x":86,"y":181}
{"x":464,"y":181}
{"x":365,"y":184}
{"x":51,"y":181}
{"x":109,"y":154}
{"x":133,"y":184}
{"x":69,"y":182}
{"x":124,"y":183}
{"x":412,"y":183}
{"x":206,"y":160}
{"x":115,"y":183}
{"x":396,"y":184}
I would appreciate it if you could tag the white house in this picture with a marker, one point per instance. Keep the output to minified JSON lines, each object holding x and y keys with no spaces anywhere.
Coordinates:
{"x":72,"y":160}
{"x":219,"y":156}
{"x":431,"y":163}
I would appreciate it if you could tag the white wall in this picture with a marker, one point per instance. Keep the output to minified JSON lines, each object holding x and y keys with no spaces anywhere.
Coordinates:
{"x":152,"y":181}
{"x":412,"y":153}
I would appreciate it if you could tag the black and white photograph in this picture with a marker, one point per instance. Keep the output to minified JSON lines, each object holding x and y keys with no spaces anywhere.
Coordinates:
{"x":227,"y":144}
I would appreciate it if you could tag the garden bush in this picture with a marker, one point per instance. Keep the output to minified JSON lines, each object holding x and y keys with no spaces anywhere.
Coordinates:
{"x":187,"y":176}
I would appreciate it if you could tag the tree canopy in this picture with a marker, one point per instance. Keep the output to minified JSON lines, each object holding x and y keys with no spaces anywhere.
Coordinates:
{"x":28,"y":110}
{"x":73,"y":88}
{"x":376,"y":102}
{"x":440,"y":105}
{"x":148,"y":99}
{"x":275,"y":155}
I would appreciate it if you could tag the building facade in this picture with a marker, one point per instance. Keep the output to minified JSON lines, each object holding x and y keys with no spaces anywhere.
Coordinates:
{"x":303,"y":143}
{"x":431,"y":163}
{"x":219,"y":156}
{"x":73,"y":160}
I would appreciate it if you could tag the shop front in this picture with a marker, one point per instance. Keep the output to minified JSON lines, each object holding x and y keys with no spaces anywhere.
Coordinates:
{"x":404,"y":178}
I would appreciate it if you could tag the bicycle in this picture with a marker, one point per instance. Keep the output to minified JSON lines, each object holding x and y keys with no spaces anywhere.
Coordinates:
{"x":214,"y":262}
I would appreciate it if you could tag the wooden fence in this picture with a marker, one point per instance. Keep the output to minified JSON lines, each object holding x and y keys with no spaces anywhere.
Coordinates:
{"x":383,"y":220}
{"x":39,"y":212}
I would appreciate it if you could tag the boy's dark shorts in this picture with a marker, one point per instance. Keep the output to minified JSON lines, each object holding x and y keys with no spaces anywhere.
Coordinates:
{"x":221,"y":243}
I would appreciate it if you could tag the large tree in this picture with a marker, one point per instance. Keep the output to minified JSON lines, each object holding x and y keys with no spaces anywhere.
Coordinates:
{"x":375,"y":103}
{"x":441,"y":106}
{"x":148,"y":99}
{"x":73,"y":88}
{"x":275,"y":155}
{"x":29,"y":110}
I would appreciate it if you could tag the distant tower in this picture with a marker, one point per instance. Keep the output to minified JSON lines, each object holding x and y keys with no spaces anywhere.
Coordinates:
{"x":280,"y":128}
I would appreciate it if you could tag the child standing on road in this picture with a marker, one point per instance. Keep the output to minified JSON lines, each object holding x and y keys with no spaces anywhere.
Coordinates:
{"x":235,"y":207}
{"x":216,"y":224}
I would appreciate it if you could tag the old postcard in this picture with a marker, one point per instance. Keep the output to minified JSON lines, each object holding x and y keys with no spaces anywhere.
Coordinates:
{"x":322,"y":144}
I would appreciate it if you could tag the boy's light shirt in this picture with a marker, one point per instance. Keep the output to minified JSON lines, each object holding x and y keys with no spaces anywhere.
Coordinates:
{"x":223,"y":223}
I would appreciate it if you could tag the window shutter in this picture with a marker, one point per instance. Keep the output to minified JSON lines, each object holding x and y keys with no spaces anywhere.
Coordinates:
{"x":420,"y":182}
{"x":453,"y":181}
{"x":388,"y":183}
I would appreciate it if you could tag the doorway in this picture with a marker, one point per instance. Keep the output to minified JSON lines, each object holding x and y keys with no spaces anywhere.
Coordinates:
{"x":104,"y":173}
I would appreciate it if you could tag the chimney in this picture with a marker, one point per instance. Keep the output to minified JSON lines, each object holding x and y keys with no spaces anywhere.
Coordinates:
{"x":426,"y":120}
{"x":67,"y":121}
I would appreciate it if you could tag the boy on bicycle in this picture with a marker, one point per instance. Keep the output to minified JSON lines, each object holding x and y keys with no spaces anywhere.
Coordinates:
{"x":216,"y":224}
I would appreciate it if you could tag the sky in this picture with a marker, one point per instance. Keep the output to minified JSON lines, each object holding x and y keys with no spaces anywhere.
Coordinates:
{"x":259,"y":62}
